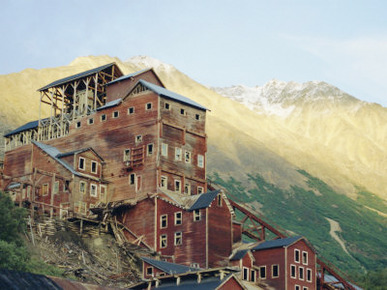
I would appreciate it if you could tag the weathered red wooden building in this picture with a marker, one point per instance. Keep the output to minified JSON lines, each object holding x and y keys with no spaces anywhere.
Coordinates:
{"x":128,"y":148}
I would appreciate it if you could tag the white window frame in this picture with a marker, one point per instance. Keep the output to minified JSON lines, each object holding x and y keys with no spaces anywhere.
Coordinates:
{"x":129,"y":111}
{"x":164,"y":149}
{"x":295,"y":271}
{"x":197,"y":117}
{"x":134,"y":179}
{"x":304,"y":288}
{"x":45,"y":189}
{"x":197,"y":215}
{"x":309,"y":272}
{"x":163,"y":218}
{"x":183,"y":112}
{"x":301,"y":270}
{"x":84,"y":187}
{"x":103,"y":193}
{"x":148,"y":104}
{"x":178,"y":238}
{"x":178,"y":220}
{"x":78,"y":124}
{"x":164,"y":182}
{"x":297,"y":287}
{"x":90,"y":121}
{"x":148,"y":151}
{"x":245,"y":274}
{"x":95,"y":186}
{"x":163,"y":241}
{"x":115,"y":114}
{"x":147,"y":271}
{"x":177,"y":185}
{"x":253,"y":275}
{"x":84,"y":163}
{"x":200,"y":189}
{"x":56,"y":187}
{"x":304,"y":258}
{"x":96,"y":167}
{"x":178,"y":154}
{"x":272,"y":271}
{"x":297,"y":254}
{"x":166,"y":104}
{"x":260,"y":276}
{"x":127,"y":155}
{"x":200,"y":161}
{"x":138,"y":139}
{"x":103,"y":118}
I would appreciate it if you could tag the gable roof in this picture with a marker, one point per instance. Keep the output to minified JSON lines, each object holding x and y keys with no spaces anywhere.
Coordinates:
{"x":204,"y":200}
{"x":61,"y":155}
{"x":110,"y":104}
{"x":171,"y":95}
{"x":78,"y":76}
{"x":169,"y":268}
{"x":278,"y":243}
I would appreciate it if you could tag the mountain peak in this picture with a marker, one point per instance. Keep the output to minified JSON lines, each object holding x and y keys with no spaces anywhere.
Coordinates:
{"x":147,"y":61}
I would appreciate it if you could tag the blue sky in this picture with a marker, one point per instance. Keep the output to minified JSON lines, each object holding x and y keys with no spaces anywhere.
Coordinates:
{"x":217,"y":43}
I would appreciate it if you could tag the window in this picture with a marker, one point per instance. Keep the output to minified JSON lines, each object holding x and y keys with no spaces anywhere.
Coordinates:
{"x":262,"y":272}
{"x":163,"y":241}
{"x":177,"y":185}
{"x":78,"y":125}
{"x":178,"y":154}
{"x":293,"y":271}
{"x":301,"y":273}
{"x":148,"y":106}
{"x":149,"y":271}
{"x":275,"y":271}
{"x":164,"y":149}
{"x":130,"y":110}
{"x":116,"y":114}
{"x":139,"y":183}
{"x":297,"y":287}
{"x":56,"y":187}
{"x":103,"y":118}
{"x":304,"y":288}
{"x":102,"y":190}
{"x":200,"y":161}
{"x":304,"y":258}
{"x":197,"y":216}
{"x":195,"y":265}
{"x":81,"y":164}
{"x":197,"y":117}
{"x":167,"y":106}
{"x":163,"y":221}
{"x":200,"y":189}
{"x":309,"y":275}
{"x":219,"y":200}
{"x":82,"y":187}
{"x":94,"y":166}
{"x":182,"y":111}
{"x":90,"y":121}
{"x":178,"y":218}
{"x":253,"y":275}
{"x":164,"y":182}
{"x":132,"y":179}
{"x":245,"y":274}
{"x":187,"y":188}
{"x":187,"y":157}
{"x":297,"y":256}
{"x":93,"y":190}
{"x":138,"y":138}
{"x":45,"y":189}
{"x":127,"y":155}
{"x":178,"y":238}
{"x":149,"y":149}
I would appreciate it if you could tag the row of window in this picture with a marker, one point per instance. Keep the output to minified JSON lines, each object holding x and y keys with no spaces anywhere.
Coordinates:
{"x":131,"y":111}
{"x":93,"y":189}
{"x":298,"y":287}
{"x":262,"y":274}
{"x":178,"y":240}
{"x":177,"y":184}
{"x":82,"y":165}
{"x":301,"y":273}
{"x":178,"y":218}
{"x":304,"y":257}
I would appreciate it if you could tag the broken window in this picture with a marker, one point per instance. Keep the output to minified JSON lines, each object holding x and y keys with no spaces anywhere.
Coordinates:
{"x":81,"y":164}
{"x":149,"y":271}
{"x":127,"y":155}
{"x":178,"y":238}
{"x":82,"y":187}
{"x":56,"y":187}
{"x":197,"y":216}
{"x":167,"y":106}
{"x":164,"y":149}
{"x":197,"y":117}
{"x":93,"y":190}
{"x":187,"y":188}
{"x":148,"y":106}
{"x":45,"y":189}
{"x":164,"y":182}
{"x":177,"y":185}
{"x":138,"y":138}
{"x":90,"y":121}
{"x":200,"y":161}
{"x":200,"y":189}
{"x":149,"y":149}
{"x":182,"y":111}
{"x":187,"y":156}
{"x":163,"y":241}
{"x":78,"y":125}
{"x":178,"y":154}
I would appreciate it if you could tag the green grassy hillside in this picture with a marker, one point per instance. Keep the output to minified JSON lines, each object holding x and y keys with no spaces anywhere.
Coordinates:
{"x":306,"y":212}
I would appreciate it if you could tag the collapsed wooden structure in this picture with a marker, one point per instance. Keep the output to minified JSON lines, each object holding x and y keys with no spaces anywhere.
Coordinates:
{"x":125,"y":150}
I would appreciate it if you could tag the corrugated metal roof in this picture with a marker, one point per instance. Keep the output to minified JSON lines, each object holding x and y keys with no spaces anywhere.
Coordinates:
{"x":25,"y":127}
{"x":239,"y":255}
{"x":61,"y":155}
{"x":110,"y":104}
{"x":169,"y":268}
{"x":204,"y":200}
{"x":20,"y":280}
{"x":207,"y":283}
{"x":128,"y":76}
{"x":14,"y":185}
{"x":278,"y":243}
{"x":174,"y":96}
{"x":76,"y":76}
